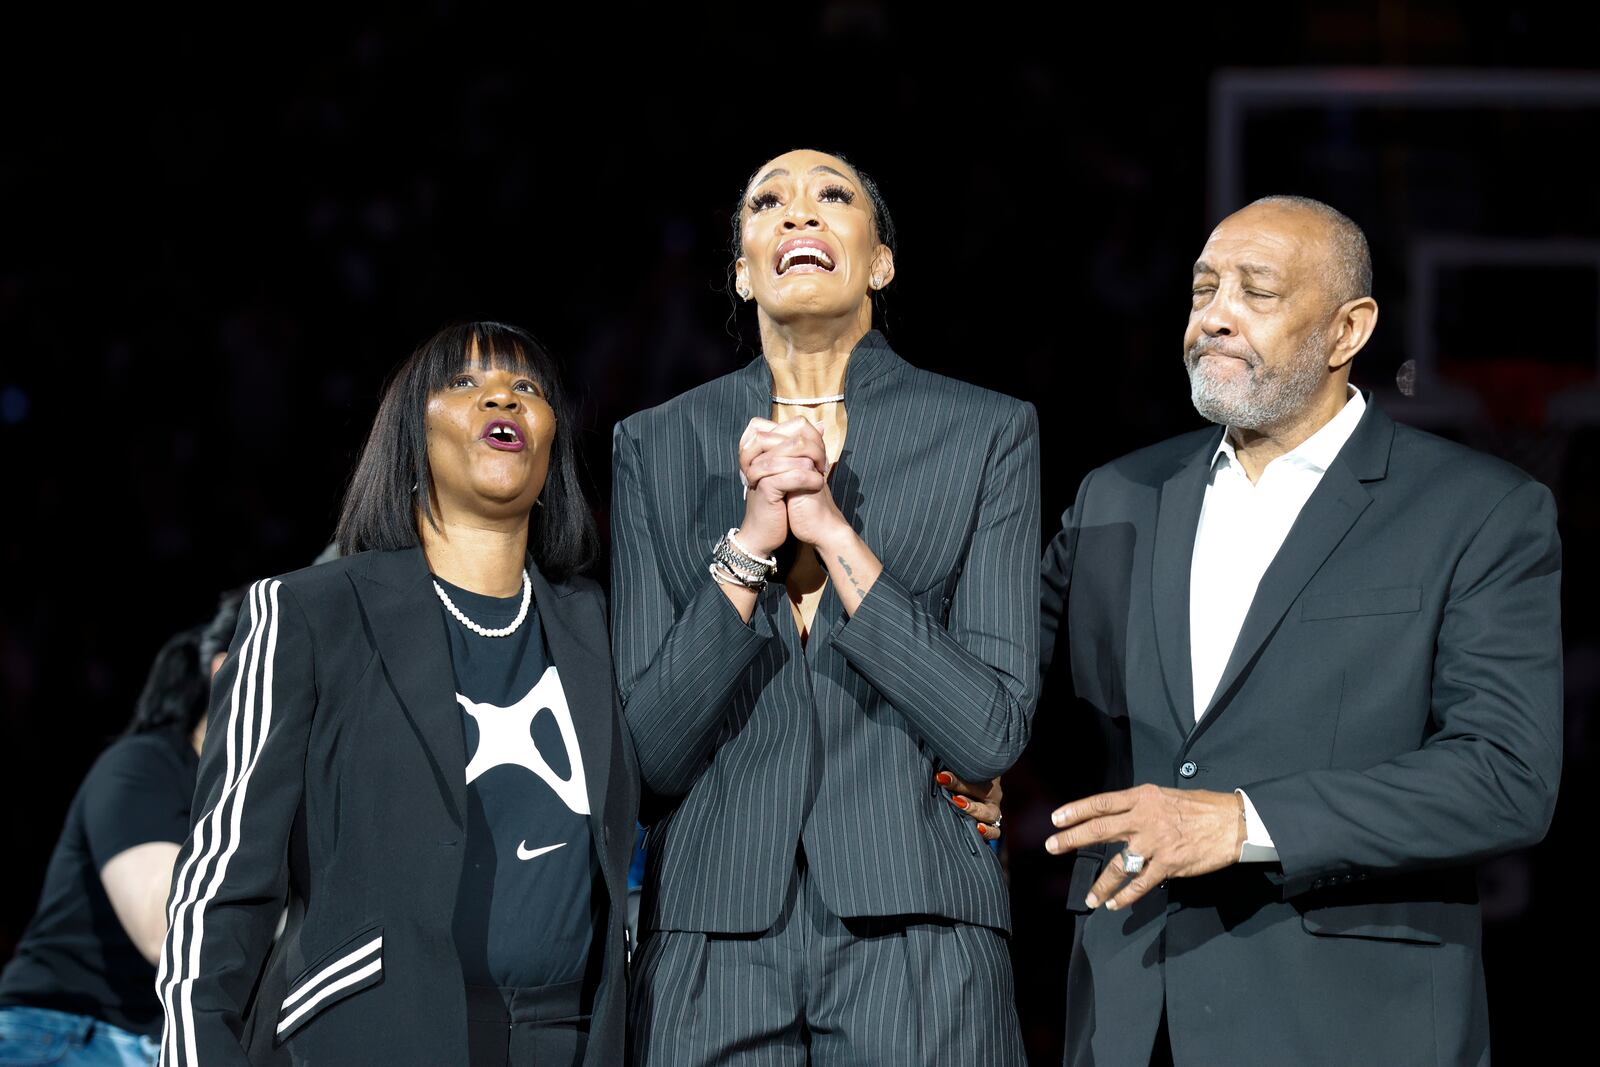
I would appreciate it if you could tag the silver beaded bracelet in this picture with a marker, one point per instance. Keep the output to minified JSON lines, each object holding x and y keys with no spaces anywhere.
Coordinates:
{"x":733,"y":539}
{"x":726,"y":576}
{"x":722,"y":556}
{"x":731,"y":564}
{"x":747,"y":560}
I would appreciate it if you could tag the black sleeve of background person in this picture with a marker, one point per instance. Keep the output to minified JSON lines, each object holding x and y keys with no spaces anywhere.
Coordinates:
{"x":139,"y":791}
{"x":1055,"y":581}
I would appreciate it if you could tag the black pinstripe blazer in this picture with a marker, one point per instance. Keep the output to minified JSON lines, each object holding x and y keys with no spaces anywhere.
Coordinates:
{"x":333,"y":780}
{"x":750,"y":743}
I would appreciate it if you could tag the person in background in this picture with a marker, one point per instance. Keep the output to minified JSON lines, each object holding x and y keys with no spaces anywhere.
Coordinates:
{"x":81,"y":988}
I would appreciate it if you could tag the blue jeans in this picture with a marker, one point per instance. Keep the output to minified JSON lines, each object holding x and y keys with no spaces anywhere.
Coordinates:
{"x":32,"y":1037}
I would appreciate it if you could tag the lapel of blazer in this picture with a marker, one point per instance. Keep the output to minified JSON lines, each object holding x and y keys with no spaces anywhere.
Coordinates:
{"x":1179,"y":516}
{"x":403,"y":616}
{"x":1333,"y":507}
{"x":871,"y":365}
{"x":871,"y":360}
{"x":577,"y":635}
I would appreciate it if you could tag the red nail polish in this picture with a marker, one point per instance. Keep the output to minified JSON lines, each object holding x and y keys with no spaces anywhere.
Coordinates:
{"x":960,"y":802}
{"x":943,"y":778}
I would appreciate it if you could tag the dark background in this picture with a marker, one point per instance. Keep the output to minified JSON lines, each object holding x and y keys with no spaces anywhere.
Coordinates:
{"x":216,"y":239}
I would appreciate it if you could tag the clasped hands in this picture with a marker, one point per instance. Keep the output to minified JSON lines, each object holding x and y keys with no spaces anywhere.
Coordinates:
{"x":1180,"y":833}
{"x":785,"y":469}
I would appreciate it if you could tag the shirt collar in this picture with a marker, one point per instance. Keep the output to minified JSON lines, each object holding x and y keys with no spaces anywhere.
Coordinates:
{"x":1318,"y":451}
{"x":872,"y":357}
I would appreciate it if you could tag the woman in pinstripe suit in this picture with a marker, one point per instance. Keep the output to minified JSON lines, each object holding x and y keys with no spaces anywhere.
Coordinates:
{"x":825,"y":593}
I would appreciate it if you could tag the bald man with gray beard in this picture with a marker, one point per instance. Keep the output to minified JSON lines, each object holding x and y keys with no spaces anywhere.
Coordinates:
{"x":1324,"y":652}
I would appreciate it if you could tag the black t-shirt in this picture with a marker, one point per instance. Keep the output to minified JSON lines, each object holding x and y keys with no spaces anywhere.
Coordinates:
{"x":75,"y":956}
{"x":529,"y":897}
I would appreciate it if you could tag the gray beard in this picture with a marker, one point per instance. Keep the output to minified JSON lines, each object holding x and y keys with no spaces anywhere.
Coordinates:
{"x":1266,"y":399}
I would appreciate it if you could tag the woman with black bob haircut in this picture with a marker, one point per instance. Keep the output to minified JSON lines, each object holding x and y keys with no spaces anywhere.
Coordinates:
{"x":392,"y":488}
{"x":418,"y":750}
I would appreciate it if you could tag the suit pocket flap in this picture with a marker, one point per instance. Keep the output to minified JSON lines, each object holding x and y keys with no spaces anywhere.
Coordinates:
{"x":1384,"y":920}
{"x":355,"y":965}
{"x":1085,"y":869}
{"x":1348,"y":602}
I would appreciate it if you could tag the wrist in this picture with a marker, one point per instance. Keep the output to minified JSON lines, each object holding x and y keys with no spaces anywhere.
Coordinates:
{"x":751,"y":545}
{"x":837,"y":540}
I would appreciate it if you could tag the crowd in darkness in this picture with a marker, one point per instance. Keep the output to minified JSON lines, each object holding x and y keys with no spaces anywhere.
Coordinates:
{"x":216,"y":242}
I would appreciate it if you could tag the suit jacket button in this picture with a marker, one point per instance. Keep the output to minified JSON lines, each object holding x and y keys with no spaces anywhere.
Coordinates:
{"x":1188,"y":770}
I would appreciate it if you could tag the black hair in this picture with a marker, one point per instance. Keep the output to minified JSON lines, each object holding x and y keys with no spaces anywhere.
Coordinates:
{"x":882,"y":227}
{"x":391,"y":484}
{"x":176,"y":692}
{"x":217,"y":635}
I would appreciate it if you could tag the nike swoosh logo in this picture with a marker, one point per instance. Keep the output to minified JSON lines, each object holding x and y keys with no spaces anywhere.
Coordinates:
{"x":525,"y":853}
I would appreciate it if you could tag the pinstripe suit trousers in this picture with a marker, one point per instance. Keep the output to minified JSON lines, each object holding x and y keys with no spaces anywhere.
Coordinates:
{"x":817,"y":989}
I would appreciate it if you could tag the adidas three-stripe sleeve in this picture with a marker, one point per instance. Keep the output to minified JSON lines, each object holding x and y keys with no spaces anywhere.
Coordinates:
{"x":230,"y":879}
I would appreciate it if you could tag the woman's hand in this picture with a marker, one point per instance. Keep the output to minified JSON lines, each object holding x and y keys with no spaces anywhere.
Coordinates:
{"x":811,"y":514}
{"x":764,"y":456}
{"x":980,"y":803}
{"x":814,"y":518}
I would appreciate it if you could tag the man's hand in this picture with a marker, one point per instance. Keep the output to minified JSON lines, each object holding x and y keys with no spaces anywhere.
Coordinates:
{"x":980,"y":803}
{"x":1180,"y":833}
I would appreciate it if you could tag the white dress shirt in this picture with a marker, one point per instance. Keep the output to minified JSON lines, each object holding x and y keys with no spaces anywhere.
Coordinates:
{"x":1241,"y":528}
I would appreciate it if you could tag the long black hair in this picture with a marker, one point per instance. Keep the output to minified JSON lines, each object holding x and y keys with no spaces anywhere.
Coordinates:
{"x":882,"y":227}
{"x":176,"y":691}
{"x":391,"y":492}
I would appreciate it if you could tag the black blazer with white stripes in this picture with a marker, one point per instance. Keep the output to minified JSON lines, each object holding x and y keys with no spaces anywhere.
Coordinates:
{"x":750,"y":743}
{"x":333,"y":781}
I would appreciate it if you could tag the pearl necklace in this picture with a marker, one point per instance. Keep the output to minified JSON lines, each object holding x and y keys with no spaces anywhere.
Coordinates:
{"x":806,"y":401}
{"x":484,"y":631}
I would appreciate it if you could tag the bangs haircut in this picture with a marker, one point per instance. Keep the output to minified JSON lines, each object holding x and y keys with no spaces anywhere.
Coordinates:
{"x":391,"y":489}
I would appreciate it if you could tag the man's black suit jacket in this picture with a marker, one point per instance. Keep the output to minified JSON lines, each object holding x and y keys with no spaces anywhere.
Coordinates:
{"x":1392,"y":708}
